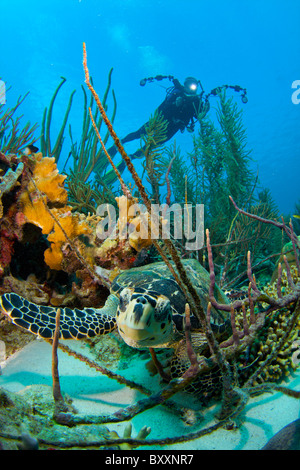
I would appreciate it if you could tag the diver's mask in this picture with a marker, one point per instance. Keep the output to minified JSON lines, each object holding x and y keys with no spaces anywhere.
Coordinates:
{"x":190,"y":86}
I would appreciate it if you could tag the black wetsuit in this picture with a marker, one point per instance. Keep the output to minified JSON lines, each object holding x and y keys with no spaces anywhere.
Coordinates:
{"x":178,"y":109}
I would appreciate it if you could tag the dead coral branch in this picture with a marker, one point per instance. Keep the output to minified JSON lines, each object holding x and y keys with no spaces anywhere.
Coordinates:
{"x":179,"y":273}
{"x":288,"y":230}
{"x":168,"y":247}
{"x":60,"y":405}
{"x":232,"y":396}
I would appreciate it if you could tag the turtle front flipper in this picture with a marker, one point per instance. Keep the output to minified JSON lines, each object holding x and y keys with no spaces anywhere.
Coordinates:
{"x":74,"y":324}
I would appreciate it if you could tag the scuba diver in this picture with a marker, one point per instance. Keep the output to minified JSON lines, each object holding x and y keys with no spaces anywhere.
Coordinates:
{"x":180,"y":108}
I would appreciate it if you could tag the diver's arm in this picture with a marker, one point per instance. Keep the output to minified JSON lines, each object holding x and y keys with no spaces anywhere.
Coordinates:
{"x":177,"y":84}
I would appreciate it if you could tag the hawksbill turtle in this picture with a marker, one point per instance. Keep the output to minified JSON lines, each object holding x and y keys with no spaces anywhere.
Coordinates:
{"x":145,"y":304}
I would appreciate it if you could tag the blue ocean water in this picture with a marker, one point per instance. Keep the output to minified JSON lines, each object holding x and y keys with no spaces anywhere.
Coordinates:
{"x":253,"y":43}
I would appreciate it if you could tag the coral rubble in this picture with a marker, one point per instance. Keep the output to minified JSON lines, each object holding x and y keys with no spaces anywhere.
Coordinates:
{"x":31,"y":411}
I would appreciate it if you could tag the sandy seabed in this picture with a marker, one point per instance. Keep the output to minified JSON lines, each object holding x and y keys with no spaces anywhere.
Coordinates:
{"x":95,"y":394}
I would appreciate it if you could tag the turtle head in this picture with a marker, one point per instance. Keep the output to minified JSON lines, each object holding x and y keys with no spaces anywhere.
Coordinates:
{"x":144,"y":320}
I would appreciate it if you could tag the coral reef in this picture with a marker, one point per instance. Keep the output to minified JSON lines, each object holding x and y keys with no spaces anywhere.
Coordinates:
{"x":264,"y":345}
{"x":30,"y":419}
{"x":155,"y":134}
{"x":275,"y":327}
{"x":240,"y":339}
{"x":12,"y":168}
{"x":45,"y":141}
{"x":133,"y":234}
{"x":30,"y":288}
{"x":87,"y":156}
{"x":44,"y":202}
{"x":30,"y":413}
{"x":219,"y":166}
{"x":36,"y":209}
{"x":12,"y":138}
{"x":48,"y":180}
{"x":288,"y":252}
{"x":12,"y":339}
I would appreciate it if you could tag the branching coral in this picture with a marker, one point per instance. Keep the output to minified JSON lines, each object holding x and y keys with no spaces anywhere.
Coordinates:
{"x":41,"y":200}
{"x":86,"y":197}
{"x":289,"y":253}
{"x":87,"y":158}
{"x":12,"y":138}
{"x":152,"y":149}
{"x":179,"y":273}
{"x":220,"y":354}
{"x":276,"y":327}
{"x":265,"y":325}
{"x":270,"y":338}
{"x":219,"y":166}
{"x":45,"y":141}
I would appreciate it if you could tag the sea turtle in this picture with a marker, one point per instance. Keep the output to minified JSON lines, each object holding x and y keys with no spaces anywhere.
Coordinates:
{"x":145,"y":304}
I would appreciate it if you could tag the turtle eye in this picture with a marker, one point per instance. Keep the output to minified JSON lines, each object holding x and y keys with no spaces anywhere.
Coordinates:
{"x":123,"y":301}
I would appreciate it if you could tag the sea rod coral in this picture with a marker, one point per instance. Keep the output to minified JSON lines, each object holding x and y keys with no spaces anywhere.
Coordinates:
{"x":254,"y":295}
{"x":246,"y":317}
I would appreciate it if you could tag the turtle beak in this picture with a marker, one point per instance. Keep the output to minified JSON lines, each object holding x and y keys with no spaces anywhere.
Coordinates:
{"x":134,"y":327}
{"x":133,"y":335}
{"x":138,"y":314}
{"x":139,"y":326}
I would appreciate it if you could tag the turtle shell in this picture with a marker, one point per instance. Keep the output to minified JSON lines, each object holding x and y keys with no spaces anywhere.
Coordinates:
{"x":156,"y":279}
